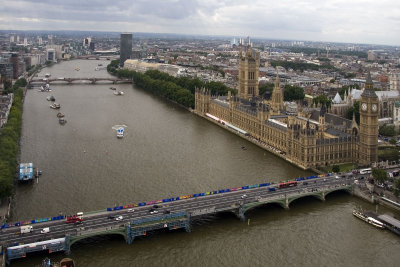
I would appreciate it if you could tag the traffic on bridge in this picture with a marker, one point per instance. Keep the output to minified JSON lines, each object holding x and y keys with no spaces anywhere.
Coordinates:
{"x":60,"y":232}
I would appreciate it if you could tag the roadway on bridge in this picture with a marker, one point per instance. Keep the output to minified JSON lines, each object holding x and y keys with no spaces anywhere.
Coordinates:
{"x":221,"y":201}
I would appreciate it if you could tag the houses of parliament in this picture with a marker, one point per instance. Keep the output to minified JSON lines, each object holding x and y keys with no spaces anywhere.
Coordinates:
{"x":308,"y":137}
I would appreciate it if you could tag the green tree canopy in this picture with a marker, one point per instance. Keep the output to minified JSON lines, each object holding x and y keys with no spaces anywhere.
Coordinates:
{"x":354,"y":109}
{"x":322,"y":100}
{"x":379,"y":175}
{"x":265,"y":87}
{"x":335,"y":168}
{"x":293,"y":93}
{"x":387,"y":130}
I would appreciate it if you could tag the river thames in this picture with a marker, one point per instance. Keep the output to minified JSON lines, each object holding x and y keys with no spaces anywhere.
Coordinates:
{"x":168,"y":151}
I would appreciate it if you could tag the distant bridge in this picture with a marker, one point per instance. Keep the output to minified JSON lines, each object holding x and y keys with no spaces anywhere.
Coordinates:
{"x":108,"y":57}
{"x":136,"y":220}
{"x":40,"y":81}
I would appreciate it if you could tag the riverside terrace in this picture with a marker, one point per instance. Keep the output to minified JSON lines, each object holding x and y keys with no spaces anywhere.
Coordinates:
{"x":172,"y":213}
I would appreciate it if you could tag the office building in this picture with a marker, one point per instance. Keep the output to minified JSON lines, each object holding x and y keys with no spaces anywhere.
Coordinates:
{"x":126,"y":48}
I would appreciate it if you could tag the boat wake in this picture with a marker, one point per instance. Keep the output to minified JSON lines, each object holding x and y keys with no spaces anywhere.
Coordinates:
{"x":115,"y":127}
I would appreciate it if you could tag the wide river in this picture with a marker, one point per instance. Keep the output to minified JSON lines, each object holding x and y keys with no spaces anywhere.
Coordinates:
{"x":168,"y":151}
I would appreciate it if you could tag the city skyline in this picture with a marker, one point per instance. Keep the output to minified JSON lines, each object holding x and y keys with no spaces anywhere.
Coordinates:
{"x":331,"y":21}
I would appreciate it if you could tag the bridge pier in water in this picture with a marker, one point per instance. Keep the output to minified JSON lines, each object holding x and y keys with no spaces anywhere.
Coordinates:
{"x":141,"y":227}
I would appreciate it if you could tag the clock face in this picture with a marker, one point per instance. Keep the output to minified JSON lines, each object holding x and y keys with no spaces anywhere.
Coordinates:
{"x":374,"y":107}
{"x":364,"y":106}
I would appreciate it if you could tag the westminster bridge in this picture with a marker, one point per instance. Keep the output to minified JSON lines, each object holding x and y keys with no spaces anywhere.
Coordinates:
{"x":135,"y":220}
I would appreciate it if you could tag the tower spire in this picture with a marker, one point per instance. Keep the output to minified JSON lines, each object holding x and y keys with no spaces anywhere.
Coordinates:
{"x":369,"y":87}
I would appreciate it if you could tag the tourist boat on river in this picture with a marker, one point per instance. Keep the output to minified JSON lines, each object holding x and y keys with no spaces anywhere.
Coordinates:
{"x":45,"y":88}
{"x":370,"y":220}
{"x":113,"y":88}
{"x":62,"y":121}
{"x":60,"y":115}
{"x":118,"y":93}
{"x":51,"y":98}
{"x":55,"y":106}
{"x":120,"y":132}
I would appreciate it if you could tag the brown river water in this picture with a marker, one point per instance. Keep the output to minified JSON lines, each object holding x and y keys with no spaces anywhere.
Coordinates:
{"x":168,"y":151}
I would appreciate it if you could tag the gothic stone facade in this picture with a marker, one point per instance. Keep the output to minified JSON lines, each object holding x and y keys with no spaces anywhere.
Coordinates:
{"x":312,"y":138}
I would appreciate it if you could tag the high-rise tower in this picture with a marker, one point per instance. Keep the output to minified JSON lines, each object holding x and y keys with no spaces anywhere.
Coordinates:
{"x":126,"y":48}
{"x":369,"y":111}
{"x":249,"y":62}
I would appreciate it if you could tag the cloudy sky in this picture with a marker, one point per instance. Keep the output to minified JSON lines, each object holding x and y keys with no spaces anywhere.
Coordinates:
{"x":361,"y":21}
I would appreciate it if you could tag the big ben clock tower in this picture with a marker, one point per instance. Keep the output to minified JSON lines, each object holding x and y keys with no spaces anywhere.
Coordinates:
{"x":369,"y":105}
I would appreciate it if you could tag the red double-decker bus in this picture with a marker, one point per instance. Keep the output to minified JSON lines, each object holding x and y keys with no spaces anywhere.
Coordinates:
{"x":288,"y":184}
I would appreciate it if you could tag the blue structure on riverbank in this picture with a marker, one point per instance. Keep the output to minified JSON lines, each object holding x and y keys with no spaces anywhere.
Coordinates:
{"x":25,"y":171}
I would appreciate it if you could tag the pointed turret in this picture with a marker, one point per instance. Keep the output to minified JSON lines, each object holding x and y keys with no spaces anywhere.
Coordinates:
{"x":369,"y":87}
{"x":277,"y":97}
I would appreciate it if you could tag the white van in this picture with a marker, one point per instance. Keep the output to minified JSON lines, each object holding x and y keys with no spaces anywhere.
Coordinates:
{"x":45,"y":230}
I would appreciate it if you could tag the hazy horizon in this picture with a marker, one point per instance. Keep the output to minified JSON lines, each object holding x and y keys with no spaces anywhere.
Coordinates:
{"x":339,"y":21}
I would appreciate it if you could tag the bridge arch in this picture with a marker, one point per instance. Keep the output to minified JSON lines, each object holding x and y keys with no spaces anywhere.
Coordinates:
{"x":348,"y":189}
{"x":317,"y":195}
{"x":254,"y":205}
{"x":74,"y":239}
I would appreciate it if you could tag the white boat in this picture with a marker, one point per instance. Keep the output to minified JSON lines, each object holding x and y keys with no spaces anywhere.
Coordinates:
{"x":118,"y":93}
{"x":47,"y":75}
{"x":369,"y":220}
{"x":51,"y":98}
{"x":120,"y":132}
{"x":55,"y":106}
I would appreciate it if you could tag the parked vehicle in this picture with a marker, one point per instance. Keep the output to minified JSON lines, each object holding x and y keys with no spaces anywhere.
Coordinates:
{"x":365,"y":171}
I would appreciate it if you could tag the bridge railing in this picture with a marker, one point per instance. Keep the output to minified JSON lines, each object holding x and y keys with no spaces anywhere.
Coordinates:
{"x":158,"y":218}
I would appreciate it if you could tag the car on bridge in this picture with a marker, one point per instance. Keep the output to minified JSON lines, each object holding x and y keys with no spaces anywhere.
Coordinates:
{"x":153,"y":211}
{"x":74,"y":219}
{"x":45,"y":230}
{"x":119,"y":218}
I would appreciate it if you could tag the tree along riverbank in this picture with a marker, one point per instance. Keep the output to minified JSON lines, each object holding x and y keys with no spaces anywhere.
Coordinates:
{"x":177,"y":89}
{"x":9,"y":141}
